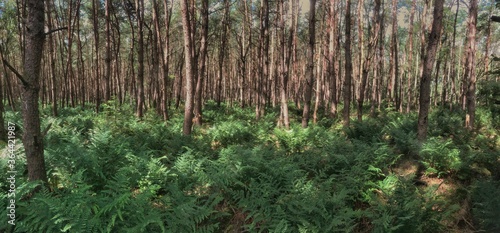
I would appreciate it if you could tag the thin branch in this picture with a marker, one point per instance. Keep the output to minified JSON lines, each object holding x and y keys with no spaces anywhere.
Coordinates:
{"x":56,"y":30}
{"x":15,"y":72}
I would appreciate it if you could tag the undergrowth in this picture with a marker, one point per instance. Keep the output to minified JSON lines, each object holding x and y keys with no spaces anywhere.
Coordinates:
{"x":110,"y":172}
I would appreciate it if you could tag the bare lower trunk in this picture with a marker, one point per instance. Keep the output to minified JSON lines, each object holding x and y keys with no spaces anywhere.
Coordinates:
{"x":425,"y":85}
{"x":32,"y":137}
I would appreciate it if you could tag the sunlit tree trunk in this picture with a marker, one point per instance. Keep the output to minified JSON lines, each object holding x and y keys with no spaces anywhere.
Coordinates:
{"x":202,"y":64}
{"x":309,"y":74}
{"x":429,"y":58}
{"x":470,"y":69}
{"x":188,"y":57}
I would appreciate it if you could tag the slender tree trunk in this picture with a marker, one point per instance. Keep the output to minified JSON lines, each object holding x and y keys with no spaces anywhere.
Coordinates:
{"x":332,"y":62}
{"x":425,"y":84}
{"x":283,"y":67}
{"x":165,"y":67}
{"x":222,"y":51}
{"x":188,"y":56}
{"x":310,"y":64}
{"x":139,"y":6}
{"x":348,"y":65}
{"x":368,"y":59}
{"x":95,"y":11}
{"x":453,"y":57}
{"x":202,"y":64}
{"x":107,"y":59}
{"x":393,"y":88}
{"x":409,"y":62}
{"x":470,"y":69}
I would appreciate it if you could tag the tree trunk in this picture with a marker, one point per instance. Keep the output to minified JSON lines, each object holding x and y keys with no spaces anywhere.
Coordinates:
{"x":95,"y":12}
{"x":202,"y":64}
{"x":309,"y":74}
{"x":188,"y":56}
{"x":425,"y":84}
{"x":283,"y":67}
{"x":332,"y":64}
{"x":139,"y":6}
{"x":368,"y":59}
{"x":409,"y":62}
{"x":393,"y":88}
{"x":32,"y":137}
{"x":107,"y":59}
{"x":470,"y":69}
{"x":348,"y":66}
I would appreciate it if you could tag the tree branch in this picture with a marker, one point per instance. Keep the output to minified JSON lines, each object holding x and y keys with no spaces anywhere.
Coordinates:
{"x":55,"y":30}
{"x":15,"y":72}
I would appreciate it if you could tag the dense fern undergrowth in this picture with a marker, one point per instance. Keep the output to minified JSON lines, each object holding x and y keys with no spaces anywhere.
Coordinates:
{"x":110,"y":172}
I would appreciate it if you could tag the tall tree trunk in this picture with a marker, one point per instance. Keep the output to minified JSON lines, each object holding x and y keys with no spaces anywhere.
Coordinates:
{"x":284,"y":59}
{"x":97,"y":87}
{"x":264,"y":58}
{"x":165,"y":67}
{"x":425,"y":84}
{"x":332,"y":64}
{"x":470,"y":69}
{"x":32,"y":137}
{"x":310,"y":64}
{"x":107,"y":59}
{"x":222,"y":51}
{"x":139,"y":6}
{"x":393,"y":88}
{"x":409,"y":62}
{"x":368,"y":59}
{"x":202,"y":64}
{"x":453,"y":57}
{"x":188,"y":56}
{"x":348,"y":65}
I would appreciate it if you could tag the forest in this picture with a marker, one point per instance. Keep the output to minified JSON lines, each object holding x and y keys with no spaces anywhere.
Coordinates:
{"x":250,"y":116}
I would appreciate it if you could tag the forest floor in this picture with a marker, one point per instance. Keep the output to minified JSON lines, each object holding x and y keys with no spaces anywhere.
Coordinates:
{"x":110,"y":172}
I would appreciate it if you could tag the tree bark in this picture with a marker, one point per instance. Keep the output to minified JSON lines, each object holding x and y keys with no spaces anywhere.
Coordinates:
{"x":470,"y":69}
{"x":32,"y":137}
{"x":188,"y":56}
{"x":348,"y":66}
{"x":139,"y":6}
{"x":310,"y":65}
{"x":369,"y":56}
{"x":425,"y":84}
{"x":202,"y":64}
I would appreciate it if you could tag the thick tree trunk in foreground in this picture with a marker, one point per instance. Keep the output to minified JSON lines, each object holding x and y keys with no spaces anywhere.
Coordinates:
{"x":188,"y":52}
{"x":428,"y":63}
{"x":310,"y":65}
{"x":32,"y":137}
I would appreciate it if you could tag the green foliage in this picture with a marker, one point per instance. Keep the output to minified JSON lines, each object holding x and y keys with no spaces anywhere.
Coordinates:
{"x":110,"y":172}
{"x":486,"y":205}
{"x":400,"y":131}
{"x":440,"y":157}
